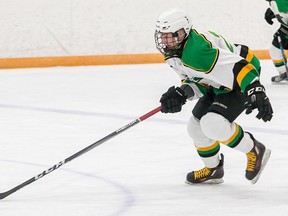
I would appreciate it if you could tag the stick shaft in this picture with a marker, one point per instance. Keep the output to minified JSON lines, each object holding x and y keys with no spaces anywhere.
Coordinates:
{"x":283,"y":54}
{"x":79,"y":153}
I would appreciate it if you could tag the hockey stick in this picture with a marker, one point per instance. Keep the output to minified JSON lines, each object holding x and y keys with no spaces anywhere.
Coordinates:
{"x":276,"y":12}
{"x":77,"y":154}
{"x":283,"y":54}
{"x":282,"y":76}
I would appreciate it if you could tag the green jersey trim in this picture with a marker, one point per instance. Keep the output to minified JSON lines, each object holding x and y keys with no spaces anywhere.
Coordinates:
{"x":198,"y":53}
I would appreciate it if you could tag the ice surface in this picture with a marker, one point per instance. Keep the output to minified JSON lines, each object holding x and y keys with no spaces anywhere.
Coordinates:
{"x":49,"y":114}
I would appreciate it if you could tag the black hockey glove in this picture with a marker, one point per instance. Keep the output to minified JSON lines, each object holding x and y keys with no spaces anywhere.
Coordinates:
{"x":172,"y":100}
{"x":269,"y":15}
{"x":281,"y":32}
{"x":255,"y":97}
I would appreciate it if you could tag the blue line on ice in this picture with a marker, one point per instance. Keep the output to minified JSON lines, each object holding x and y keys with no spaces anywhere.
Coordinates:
{"x":110,"y":115}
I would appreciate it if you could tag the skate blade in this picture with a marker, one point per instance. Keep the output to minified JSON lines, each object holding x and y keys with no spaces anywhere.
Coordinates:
{"x":280,"y":83}
{"x":210,"y":181}
{"x":264,"y":162}
{"x":279,"y":78}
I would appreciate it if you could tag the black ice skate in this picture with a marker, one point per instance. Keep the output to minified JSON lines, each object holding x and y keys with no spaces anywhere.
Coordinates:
{"x":279,"y":78}
{"x":257,"y":160}
{"x":207,"y":175}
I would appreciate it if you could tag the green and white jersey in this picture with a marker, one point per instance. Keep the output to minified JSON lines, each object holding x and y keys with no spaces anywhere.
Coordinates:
{"x":282,"y":6}
{"x":209,"y":60}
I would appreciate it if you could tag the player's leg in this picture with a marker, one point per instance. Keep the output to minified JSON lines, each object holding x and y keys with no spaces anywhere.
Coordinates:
{"x":207,"y":149}
{"x":276,"y":55}
{"x":218,"y":124}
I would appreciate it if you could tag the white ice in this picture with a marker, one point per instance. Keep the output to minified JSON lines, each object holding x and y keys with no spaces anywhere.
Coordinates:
{"x":48,"y":114}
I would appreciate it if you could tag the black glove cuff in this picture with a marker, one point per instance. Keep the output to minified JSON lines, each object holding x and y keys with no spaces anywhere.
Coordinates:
{"x":182,"y":94}
{"x":189,"y":92}
{"x":254,"y":88}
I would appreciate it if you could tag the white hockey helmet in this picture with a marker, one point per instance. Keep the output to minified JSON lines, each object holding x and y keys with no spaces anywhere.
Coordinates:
{"x":172,"y":21}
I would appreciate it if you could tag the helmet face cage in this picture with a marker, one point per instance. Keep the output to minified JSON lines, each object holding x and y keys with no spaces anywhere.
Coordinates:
{"x":172,"y":28}
{"x":168,"y":43}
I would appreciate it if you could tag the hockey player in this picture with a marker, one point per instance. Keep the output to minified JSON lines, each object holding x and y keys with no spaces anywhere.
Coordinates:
{"x":280,"y":39}
{"x":225,"y":79}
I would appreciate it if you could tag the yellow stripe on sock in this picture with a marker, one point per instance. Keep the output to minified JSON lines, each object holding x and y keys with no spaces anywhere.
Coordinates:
{"x":232,"y":137}
{"x":208,"y":148}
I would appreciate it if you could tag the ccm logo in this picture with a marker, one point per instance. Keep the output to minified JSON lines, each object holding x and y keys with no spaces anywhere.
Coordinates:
{"x":49,"y":170}
{"x":255,"y":89}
